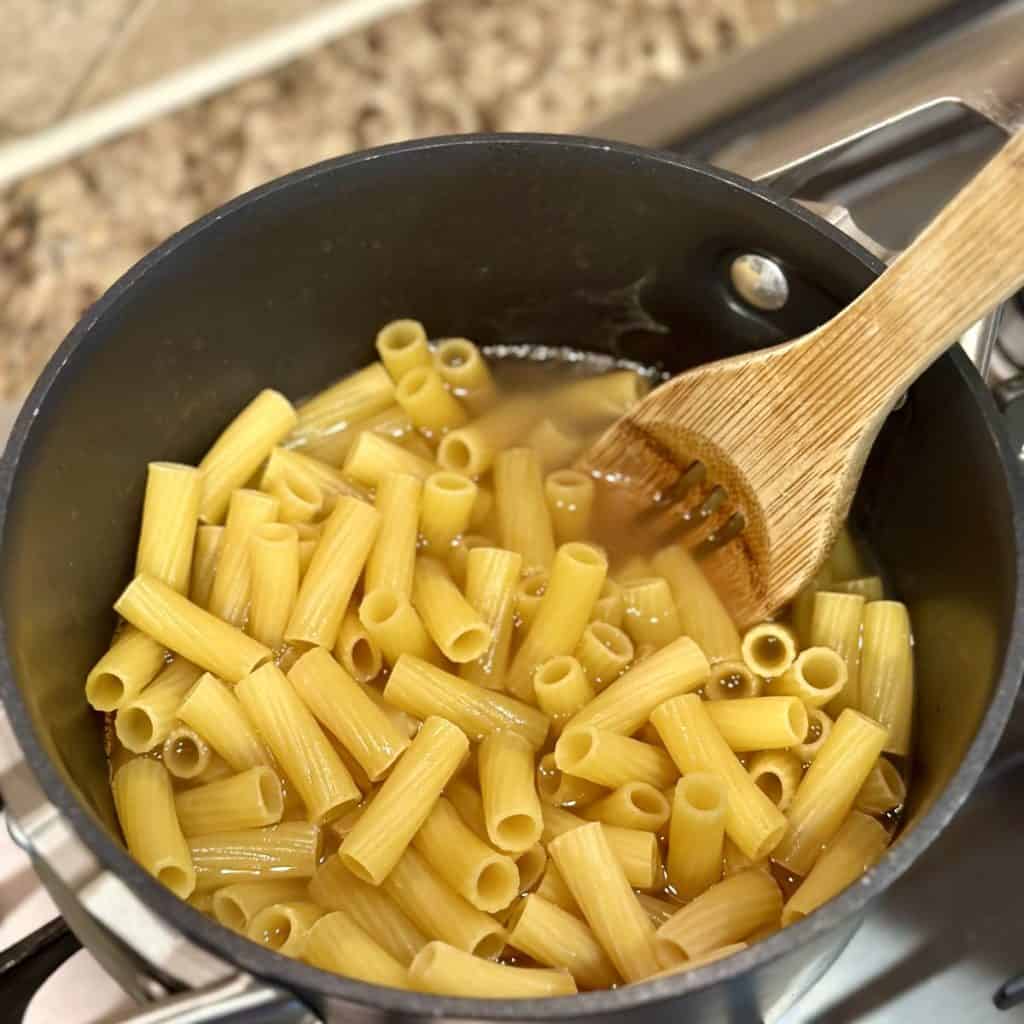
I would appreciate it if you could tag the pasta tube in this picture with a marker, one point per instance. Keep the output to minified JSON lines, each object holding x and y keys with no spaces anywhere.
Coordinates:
{"x":752,"y":821}
{"x":524,"y":524}
{"x":229,"y":598}
{"x":471,"y":450}
{"x":439,"y":911}
{"x":768,"y":648}
{"x":373,"y":457}
{"x":143,"y":723}
{"x":702,"y":616}
{"x":552,"y":888}
{"x":556,"y":938}
{"x":449,"y":618}
{"x":489,"y":880}
{"x":391,"y":560}
{"x":297,"y":741}
{"x":511,"y":806}
{"x":884,"y":790}
{"x":145,"y":808}
{"x":604,"y":651}
{"x":817,"y":676}
{"x":186,"y":755}
{"x":464,"y":369}
{"x":836,"y":623}
{"x":491,"y":577}
{"x":609,"y":606}
{"x":357,"y":650}
{"x":636,"y":805}
{"x":334,"y":887}
{"x":394,"y":626}
{"x":562,"y":790}
{"x":446,"y":970}
{"x":331,"y":577}
{"x":336,"y":943}
{"x":612,"y":760}
{"x":448,"y":501}
{"x":284,"y":927}
{"x":733,"y":680}
{"x":576,"y":577}
{"x":887,"y":672}
{"x":561,"y":689}
{"x":423,"y":689}
{"x":402,"y":346}
{"x":170,"y":512}
{"x":174,"y":621}
{"x":238,"y":452}
{"x":600,"y":888}
{"x":529,"y":593}
{"x":427,"y":402}
{"x":235,"y":906}
{"x":777,"y":773}
{"x":625,"y":705}
{"x":650,"y":612}
{"x":384,"y":830}
{"x":215,"y":713}
{"x":637,"y":852}
{"x":727,"y":912}
{"x":281,"y":852}
{"x":274,"y":574}
{"x":570,"y":498}
{"x":856,"y":847}
{"x":829,"y":789}
{"x":129,"y":665}
{"x":697,"y":833}
{"x":343,"y":708}
{"x":759,"y":723}
{"x":819,"y":726}
{"x":204,"y":563}
{"x":251,"y":799}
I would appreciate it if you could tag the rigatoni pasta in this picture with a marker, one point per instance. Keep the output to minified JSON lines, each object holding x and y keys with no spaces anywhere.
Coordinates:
{"x":406,"y":738}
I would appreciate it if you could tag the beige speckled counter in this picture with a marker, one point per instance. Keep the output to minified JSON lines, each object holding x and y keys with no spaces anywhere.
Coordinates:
{"x":448,"y":66}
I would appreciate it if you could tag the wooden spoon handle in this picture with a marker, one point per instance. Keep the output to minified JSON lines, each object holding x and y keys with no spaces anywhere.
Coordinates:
{"x":966,"y":261}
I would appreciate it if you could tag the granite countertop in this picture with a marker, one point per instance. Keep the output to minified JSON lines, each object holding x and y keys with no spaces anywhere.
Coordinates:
{"x":447,"y":66}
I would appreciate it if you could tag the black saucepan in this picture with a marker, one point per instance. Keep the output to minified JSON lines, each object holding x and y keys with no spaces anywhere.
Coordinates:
{"x":523,"y":239}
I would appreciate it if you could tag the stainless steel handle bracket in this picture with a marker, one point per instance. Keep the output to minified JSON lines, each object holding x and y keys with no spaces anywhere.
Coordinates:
{"x":148,"y":958}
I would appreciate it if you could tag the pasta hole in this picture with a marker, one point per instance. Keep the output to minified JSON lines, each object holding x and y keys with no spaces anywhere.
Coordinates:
{"x":554,"y":672}
{"x":535,"y":585}
{"x":400,"y":335}
{"x":469,"y":644}
{"x":364,"y":658}
{"x":821,"y":669}
{"x":356,"y":868}
{"x":456,"y":453}
{"x":228,"y":912}
{"x":273,"y":929}
{"x":378,"y":606}
{"x":574,"y":748}
{"x":647,"y":800}
{"x":496,"y":885}
{"x":585,"y":554}
{"x":769,"y":651}
{"x":450,"y":482}
{"x":176,"y":879}
{"x":186,"y":756}
{"x":455,"y":354}
{"x":105,"y":691}
{"x":517,"y":831}
{"x":771,"y":785}
{"x":489,"y":946}
{"x":701,"y":793}
{"x":613,"y":640}
{"x":814,"y":729}
{"x":135,"y":729}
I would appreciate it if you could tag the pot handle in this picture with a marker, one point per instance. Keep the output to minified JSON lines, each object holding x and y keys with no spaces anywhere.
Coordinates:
{"x":28,"y":963}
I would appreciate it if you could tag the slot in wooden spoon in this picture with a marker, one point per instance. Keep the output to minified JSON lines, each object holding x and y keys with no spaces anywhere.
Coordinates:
{"x":785,"y":432}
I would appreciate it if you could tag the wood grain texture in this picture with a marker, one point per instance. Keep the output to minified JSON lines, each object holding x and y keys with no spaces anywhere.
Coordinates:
{"x":786,"y":431}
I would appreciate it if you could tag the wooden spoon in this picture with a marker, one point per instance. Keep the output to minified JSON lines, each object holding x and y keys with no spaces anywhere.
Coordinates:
{"x":785,"y":432}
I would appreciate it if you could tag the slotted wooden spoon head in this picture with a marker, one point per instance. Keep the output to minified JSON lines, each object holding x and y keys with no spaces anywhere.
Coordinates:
{"x":783,"y":434}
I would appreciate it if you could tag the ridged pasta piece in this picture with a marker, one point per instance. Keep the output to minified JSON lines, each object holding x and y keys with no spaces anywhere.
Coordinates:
{"x":887,"y":672}
{"x":143,"y":723}
{"x":491,"y":577}
{"x":286,"y":851}
{"x":445,"y":970}
{"x":127,"y":667}
{"x":336,"y":943}
{"x":391,"y":560}
{"x":512,"y":809}
{"x":213,"y":710}
{"x":170,"y":513}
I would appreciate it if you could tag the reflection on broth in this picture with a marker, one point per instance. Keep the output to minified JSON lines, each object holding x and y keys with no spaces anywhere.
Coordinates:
{"x":411,"y":698}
